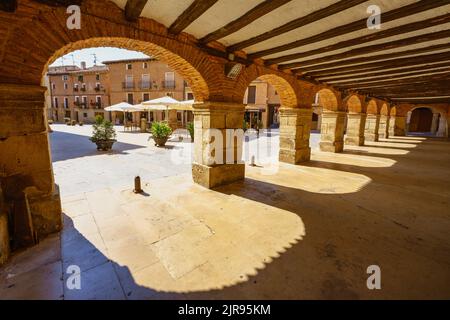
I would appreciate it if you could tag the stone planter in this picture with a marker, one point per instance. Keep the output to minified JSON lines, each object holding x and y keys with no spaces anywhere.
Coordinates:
{"x":104,"y":145}
{"x":161,"y":141}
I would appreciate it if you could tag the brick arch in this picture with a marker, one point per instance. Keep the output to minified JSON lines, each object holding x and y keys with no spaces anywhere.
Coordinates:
{"x":372,"y":107}
{"x":328,"y":100}
{"x":287,"y":89}
{"x":393,"y":112}
{"x":384,"y":110}
{"x":195,"y":80}
{"x":353,"y":104}
{"x":24,"y":56}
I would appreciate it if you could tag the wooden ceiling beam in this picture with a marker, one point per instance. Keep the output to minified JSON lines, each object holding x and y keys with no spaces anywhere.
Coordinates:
{"x":386,"y":75}
{"x":250,"y":16}
{"x":8,"y":5}
{"x":65,"y":3}
{"x":297,"y":23}
{"x":133,"y":9}
{"x":425,"y":79}
{"x":397,"y":63}
{"x":415,"y":26}
{"x":395,"y":14}
{"x":192,"y":13}
{"x":378,"y":57}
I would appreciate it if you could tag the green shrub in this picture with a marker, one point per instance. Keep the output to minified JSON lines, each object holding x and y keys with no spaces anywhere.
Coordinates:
{"x":190,"y":128}
{"x":161,"y":130}
{"x":103,"y":130}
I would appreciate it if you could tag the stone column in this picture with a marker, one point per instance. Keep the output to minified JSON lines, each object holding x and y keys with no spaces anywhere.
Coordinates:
{"x":356,"y":122}
{"x":295,"y":129}
{"x":26,"y":168}
{"x":4,"y":233}
{"x":434,"y":123}
{"x":383,"y":131}
{"x":391,"y":130}
{"x":372,"y":127}
{"x":400,"y":126}
{"x":442,"y":128}
{"x":332,"y":131}
{"x":172,"y":119}
{"x":218,"y":143}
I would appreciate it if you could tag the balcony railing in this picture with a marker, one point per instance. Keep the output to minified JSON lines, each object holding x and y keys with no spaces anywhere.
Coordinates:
{"x":75,"y":88}
{"x":128,"y":85}
{"x":168,"y":84}
{"x":96,"y":105}
{"x":83,"y":88}
{"x":145,"y":85}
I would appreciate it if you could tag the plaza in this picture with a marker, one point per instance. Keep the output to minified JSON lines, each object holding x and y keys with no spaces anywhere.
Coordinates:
{"x":345,"y":168}
{"x":331,"y":219}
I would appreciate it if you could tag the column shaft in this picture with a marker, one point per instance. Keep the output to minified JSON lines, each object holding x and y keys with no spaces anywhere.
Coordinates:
{"x":25,"y":162}
{"x":400,"y":126}
{"x":372,"y":127}
{"x":391,"y":130}
{"x":383,"y":131}
{"x":356,"y":122}
{"x":332,"y":131}
{"x":295,"y":129}
{"x":218,"y":143}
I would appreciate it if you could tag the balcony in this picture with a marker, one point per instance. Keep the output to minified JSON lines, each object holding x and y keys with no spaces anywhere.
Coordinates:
{"x":128,"y":85}
{"x":168,"y":84}
{"x":96,"y":105}
{"x":83,"y":89}
{"x":75,"y":89}
{"x":97,"y":88}
{"x":145,"y":85}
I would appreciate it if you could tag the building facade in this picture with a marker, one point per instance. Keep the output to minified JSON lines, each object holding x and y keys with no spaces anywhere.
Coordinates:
{"x":261,"y":105}
{"x":138,"y":80}
{"x":78,"y":94}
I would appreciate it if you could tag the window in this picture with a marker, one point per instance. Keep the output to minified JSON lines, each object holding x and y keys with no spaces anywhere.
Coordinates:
{"x":144,"y":65}
{"x":190,"y":96}
{"x":75,"y":87}
{"x":129,"y":83}
{"x":97,"y":77}
{"x":55,"y":102}
{"x":169,"y":81}
{"x":53,"y":86}
{"x":85,"y":114}
{"x":145,"y":83}
{"x":84,"y":101}
{"x":80,"y":78}
{"x":65,"y":77}
{"x":129,"y":66}
{"x":65,"y":86}
{"x":130,"y":98}
{"x":251,"y":97}
{"x":98,"y":100}
{"x":83,"y":87}
{"x":77,"y":101}
{"x":145,"y":96}
{"x":97,"y":86}
{"x":66,"y":102}
{"x":179,"y":115}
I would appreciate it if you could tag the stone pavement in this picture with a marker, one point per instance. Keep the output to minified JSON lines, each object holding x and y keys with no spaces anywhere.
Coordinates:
{"x":292,"y":232}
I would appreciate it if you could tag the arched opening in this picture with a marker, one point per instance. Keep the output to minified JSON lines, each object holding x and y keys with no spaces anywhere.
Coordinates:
{"x":354,"y":105}
{"x":421,"y":120}
{"x":372,"y":107}
{"x":327,"y":100}
{"x":384,"y":111}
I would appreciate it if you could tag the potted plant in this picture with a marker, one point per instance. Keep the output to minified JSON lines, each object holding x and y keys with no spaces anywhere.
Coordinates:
{"x":160,"y":133}
{"x":190,"y":128}
{"x":104,"y":134}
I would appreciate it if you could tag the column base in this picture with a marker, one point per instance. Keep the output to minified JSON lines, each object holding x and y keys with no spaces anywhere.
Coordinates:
{"x":4,"y":238}
{"x":46,"y":213}
{"x":214,"y":176}
{"x":371,"y":137}
{"x":354,"y":141}
{"x":295,"y":156}
{"x":336,"y":146}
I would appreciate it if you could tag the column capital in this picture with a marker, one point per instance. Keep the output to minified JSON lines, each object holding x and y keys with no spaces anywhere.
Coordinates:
{"x":213,"y":106}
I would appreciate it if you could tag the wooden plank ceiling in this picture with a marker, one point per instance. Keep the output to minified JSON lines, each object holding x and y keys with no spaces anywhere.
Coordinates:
{"x":324,"y":41}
